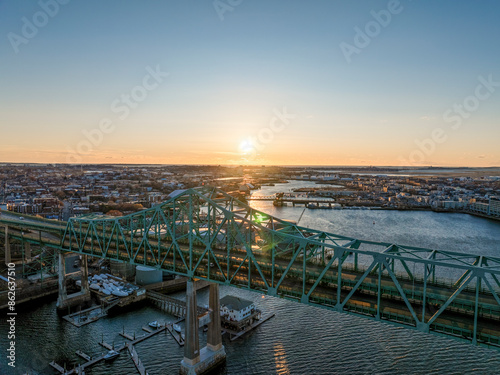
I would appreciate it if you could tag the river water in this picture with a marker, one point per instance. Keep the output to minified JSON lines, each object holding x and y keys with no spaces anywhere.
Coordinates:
{"x":299,"y":339}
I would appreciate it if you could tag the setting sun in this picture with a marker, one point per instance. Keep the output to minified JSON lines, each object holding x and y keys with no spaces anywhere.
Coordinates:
{"x":246,"y":146}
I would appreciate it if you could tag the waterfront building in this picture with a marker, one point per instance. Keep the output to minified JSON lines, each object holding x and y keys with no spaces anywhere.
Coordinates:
{"x":235,"y":309}
{"x":494,"y":206}
{"x":479,"y":207}
{"x":238,"y":314}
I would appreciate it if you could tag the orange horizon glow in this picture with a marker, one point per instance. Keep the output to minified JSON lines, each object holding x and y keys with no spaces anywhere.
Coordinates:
{"x":211,"y":159}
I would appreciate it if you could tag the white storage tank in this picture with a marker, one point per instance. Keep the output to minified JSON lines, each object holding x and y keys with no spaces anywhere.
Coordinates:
{"x":147,"y":275}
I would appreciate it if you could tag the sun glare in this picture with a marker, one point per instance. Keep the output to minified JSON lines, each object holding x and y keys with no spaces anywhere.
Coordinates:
{"x":246,"y":146}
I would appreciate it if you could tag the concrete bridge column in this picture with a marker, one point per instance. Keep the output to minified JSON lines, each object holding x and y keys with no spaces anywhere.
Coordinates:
{"x":192,"y":345}
{"x":202,"y":361}
{"x":214,"y":337}
{"x":85,"y":275}
{"x":27,"y":251}
{"x":7,"y":246}
{"x":64,"y":300}
{"x":63,"y":295}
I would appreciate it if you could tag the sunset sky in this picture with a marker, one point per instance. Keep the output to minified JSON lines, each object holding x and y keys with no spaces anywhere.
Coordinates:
{"x":256,"y":82}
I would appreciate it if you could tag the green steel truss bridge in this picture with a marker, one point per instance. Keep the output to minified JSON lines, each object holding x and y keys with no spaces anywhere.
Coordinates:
{"x":204,"y":233}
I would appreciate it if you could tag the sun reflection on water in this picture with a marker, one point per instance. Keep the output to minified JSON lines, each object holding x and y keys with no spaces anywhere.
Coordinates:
{"x":280,"y":359}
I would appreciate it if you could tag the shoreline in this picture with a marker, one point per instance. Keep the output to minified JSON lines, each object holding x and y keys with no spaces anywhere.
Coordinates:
{"x":378,"y":208}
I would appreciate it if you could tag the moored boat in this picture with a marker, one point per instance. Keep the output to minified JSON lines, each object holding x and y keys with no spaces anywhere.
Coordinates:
{"x":154,"y":324}
{"x":119,"y":293}
{"x":112,"y":354}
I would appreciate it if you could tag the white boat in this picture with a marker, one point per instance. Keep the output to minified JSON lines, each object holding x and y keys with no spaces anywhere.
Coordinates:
{"x":154,"y":324}
{"x":112,"y":354}
{"x":119,"y":293}
{"x":177,"y":328}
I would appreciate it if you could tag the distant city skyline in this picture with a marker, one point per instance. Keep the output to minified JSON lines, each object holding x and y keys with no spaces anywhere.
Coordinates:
{"x":382,"y":83}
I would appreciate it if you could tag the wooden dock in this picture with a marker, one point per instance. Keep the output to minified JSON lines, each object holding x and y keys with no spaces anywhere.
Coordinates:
{"x":87,"y":316}
{"x":176,"y":335}
{"x":123,"y":334}
{"x":106,"y":345}
{"x":148,"y":335}
{"x":57,"y":367}
{"x":90,"y":315}
{"x":233,"y":335}
{"x":78,"y":370}
{"x":138,"y":363}
{"x":92,"y":361}
{"x":83,"y":355}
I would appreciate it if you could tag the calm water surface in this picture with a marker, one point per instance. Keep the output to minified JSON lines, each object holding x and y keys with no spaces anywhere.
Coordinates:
{"x":299,"y":339}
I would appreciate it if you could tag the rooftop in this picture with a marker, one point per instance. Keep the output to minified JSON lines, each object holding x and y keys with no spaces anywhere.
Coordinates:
{"x":235,"y":303}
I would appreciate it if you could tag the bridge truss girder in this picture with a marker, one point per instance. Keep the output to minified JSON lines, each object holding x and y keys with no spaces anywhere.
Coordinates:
{"x":205,"y":233}
{"x":31,"y":256}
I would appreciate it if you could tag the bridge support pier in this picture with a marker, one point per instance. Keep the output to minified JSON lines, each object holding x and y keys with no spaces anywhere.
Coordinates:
{"x":27,"y":251}
{"x":214,"y":337}
{"x":63,"y":295}
{"x":192,"y":345}
{"x":85,"y":275}
{"x":7,"y":246}
{"x":64,"y":300}
{"x":202,"y":361}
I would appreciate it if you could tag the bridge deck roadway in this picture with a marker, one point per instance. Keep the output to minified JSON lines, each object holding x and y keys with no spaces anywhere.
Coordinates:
{"x":237,"y":256}
{"x":458,"y":317}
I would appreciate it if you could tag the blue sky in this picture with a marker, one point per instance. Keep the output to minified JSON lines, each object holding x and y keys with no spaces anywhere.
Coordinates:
{"x":228,"y":77}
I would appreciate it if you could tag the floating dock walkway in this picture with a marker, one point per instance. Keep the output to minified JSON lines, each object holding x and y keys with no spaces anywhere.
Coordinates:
{"x":137,"y":362}
{"x":91,"y":361}
{"x":127,"y":336}
{"x":177,"y":336}
{"x":90,"y":315}
{"x":83,"y":355}
{"x":233,"y":335}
